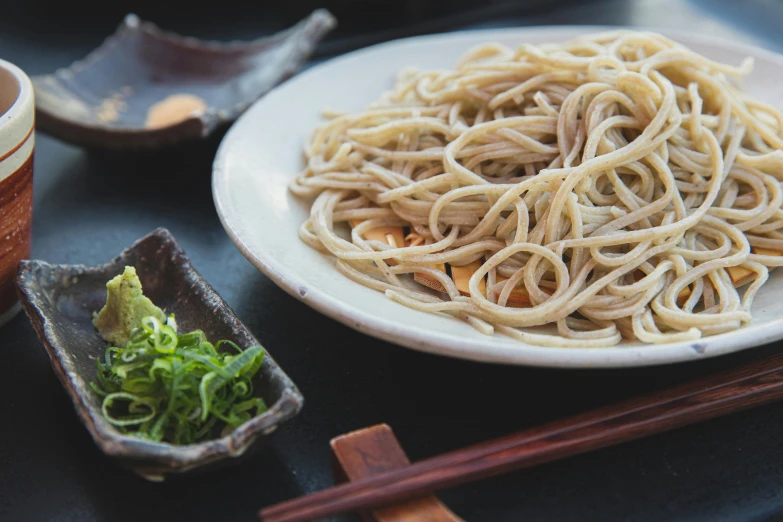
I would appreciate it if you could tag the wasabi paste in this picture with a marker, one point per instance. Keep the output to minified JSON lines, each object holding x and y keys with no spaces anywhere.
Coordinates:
{"x":125,"y":307}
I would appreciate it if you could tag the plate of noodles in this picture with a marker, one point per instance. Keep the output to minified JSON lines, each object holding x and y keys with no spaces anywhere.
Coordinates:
{"x":554,"y":196}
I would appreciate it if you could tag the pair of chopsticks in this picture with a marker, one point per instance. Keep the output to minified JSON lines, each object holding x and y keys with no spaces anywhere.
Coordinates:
{"x":753,"y":384}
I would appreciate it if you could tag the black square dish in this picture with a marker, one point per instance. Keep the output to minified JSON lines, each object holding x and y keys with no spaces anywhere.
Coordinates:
{"x":60,"y":300}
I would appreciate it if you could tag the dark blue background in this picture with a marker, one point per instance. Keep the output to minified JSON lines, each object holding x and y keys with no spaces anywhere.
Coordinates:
{"x":90,"y":205}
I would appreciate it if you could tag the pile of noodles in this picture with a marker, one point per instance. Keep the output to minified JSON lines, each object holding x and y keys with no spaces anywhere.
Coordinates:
{"x":616,"y":178}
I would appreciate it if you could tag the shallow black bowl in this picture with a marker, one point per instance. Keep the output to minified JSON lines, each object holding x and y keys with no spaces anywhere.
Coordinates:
{"x":60,"y":299}
{"x":103,"y":100}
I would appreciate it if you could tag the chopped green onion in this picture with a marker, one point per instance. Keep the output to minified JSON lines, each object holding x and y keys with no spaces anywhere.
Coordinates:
{"x":167,"y":387}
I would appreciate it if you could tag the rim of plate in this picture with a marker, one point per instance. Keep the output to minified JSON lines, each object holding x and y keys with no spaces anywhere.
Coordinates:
{"x":518,"y":353}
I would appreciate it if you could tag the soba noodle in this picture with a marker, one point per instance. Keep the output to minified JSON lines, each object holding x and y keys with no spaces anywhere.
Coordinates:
{"x":618,"y":185}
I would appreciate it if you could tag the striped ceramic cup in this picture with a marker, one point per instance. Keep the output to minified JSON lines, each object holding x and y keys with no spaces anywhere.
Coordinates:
{"x":17,"y":115}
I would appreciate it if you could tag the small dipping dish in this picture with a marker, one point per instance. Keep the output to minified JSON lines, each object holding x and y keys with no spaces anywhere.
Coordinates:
{"x":60,"y":300}
{"x":148,"y":88}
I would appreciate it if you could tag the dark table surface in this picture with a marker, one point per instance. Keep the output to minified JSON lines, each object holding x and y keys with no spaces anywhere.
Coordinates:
{"x":726,"y":469}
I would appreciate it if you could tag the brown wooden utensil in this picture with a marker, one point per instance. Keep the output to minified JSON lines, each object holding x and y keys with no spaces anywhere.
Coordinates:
{"x":372,"y":451}
{"x":753,"y":384}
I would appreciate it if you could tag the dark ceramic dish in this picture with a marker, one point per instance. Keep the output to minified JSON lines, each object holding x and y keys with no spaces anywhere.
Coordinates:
{"x":59,"y":300}
{"x":104,"y":99}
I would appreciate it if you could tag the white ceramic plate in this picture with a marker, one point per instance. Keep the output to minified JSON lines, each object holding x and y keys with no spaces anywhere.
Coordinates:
{"x":263,"y":151}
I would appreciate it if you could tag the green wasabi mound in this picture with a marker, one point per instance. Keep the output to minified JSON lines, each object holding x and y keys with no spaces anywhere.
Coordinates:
{"x":125,"y":307}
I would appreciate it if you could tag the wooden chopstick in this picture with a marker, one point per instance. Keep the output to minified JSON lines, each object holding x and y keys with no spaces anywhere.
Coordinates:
{"x":753,"y":384}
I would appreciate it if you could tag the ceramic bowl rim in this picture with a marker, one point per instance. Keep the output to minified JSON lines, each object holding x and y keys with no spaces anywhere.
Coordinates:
{"x":20,"y":106}
{"x":432,"y":341}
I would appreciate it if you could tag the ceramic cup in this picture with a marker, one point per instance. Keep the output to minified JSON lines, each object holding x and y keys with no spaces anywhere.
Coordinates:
{"x":17,"y":117}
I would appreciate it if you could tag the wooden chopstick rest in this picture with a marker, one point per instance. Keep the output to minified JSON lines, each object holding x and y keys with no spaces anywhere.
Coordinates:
{"x":370,"y":451}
